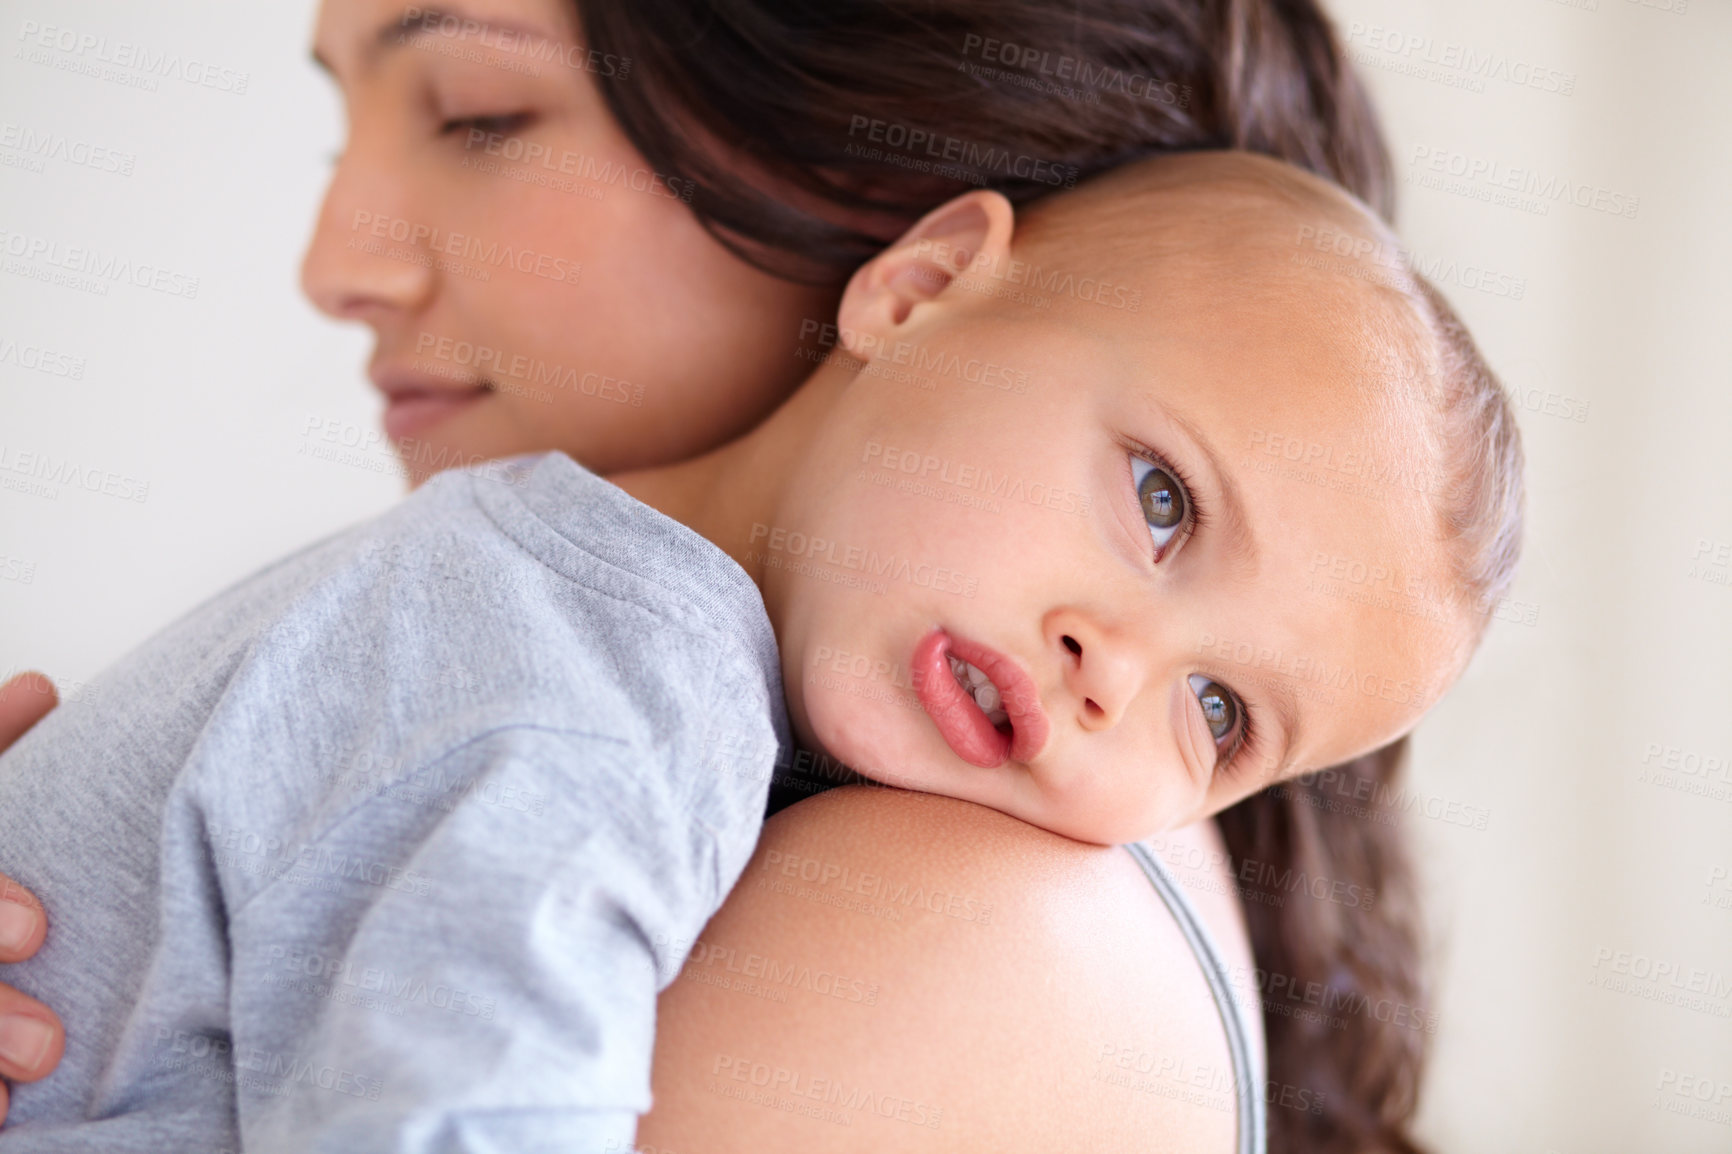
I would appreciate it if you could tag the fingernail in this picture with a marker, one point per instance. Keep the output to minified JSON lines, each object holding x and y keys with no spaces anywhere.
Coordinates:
{"x":18,"y":925}
{"x":24,"y":1042}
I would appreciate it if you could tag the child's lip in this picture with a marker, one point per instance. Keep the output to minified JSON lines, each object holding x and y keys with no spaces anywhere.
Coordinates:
{"x":959,"y":721}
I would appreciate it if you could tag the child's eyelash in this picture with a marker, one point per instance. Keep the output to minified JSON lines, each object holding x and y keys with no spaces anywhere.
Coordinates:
{"x":1244,"y":749}
{"x":1195,"y":516}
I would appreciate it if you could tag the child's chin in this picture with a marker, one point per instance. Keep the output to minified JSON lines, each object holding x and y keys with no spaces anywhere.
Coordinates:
{"x":900,"y":773}
{"x":1102,"y":828}
{"x":866,"y":745}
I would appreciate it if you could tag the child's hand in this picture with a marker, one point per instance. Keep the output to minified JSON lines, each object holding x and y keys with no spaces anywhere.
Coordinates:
{"x":31,"y":1037}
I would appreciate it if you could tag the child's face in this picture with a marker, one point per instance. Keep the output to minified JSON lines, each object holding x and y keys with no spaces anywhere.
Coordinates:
{"x":1005,"y":487}
{"x":530,"y":282}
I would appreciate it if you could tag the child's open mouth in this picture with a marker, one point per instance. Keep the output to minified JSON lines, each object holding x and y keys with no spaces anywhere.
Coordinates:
{"x":982,"y":703}
{"x":980,"y":687}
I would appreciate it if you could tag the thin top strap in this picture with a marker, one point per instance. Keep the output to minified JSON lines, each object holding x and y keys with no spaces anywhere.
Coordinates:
{"x":1247,"y":1082}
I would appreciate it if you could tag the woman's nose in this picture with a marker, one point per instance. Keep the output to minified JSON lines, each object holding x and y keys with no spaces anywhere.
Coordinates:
{"x":1103,"y":670}
{"x":355,"y":268}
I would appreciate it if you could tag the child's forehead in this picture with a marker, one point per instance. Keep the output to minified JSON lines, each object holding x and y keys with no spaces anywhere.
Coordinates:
{"x":1206,"y":232}
{"x":1189,"y":200}
{"x":1192,"y":253}
{"x":1247,"y":329}
{"x":1237,"y":304}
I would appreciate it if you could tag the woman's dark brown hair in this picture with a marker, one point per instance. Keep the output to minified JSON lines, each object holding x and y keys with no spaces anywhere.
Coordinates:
{"x":813,"y":131}
{"x":851,"y":111}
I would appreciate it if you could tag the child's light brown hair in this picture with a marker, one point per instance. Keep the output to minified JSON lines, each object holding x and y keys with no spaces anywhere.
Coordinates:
{"x":1342,"y":823}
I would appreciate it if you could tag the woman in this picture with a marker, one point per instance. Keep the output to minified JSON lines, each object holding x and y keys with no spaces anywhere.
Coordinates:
{"x":679,"y":191}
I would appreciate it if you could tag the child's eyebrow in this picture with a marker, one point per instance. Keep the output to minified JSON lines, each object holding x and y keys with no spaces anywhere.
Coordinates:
{"x":1286,"y":709}
{"x":1240,"y":547}
{"x":1234,"y":530}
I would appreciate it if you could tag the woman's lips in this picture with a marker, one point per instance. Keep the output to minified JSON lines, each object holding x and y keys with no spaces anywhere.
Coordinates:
{"x":415,"y":401}
{"x":960,"y":721}
{"x":409,"y":411}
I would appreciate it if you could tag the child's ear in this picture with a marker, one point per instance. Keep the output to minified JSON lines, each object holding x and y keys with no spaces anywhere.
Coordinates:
{"x":974,"y":229}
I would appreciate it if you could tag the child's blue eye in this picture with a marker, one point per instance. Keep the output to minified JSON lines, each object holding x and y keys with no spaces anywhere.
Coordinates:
{"x":1162,"y":498}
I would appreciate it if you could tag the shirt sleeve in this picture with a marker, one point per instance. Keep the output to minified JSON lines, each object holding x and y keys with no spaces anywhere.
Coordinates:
{"x":514,"y":910}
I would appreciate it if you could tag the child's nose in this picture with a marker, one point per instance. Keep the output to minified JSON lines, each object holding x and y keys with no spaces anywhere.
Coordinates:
{"x":1103,"y":671}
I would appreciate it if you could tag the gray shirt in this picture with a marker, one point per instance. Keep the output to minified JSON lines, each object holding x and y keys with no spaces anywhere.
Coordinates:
{"x":392,"y":846}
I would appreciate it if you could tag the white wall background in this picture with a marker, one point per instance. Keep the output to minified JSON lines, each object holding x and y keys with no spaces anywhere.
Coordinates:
{"x":1591,"y":849}
{"x":1550,"y":729}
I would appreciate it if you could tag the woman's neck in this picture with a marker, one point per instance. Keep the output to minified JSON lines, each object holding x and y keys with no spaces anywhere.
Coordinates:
{"x":726,"y":491}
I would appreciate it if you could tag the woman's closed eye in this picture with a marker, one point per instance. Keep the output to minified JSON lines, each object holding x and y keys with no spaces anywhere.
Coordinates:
{"x":492,"y":124}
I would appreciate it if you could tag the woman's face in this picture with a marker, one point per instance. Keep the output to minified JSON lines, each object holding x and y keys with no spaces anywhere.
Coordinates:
{"x":531,"y":282}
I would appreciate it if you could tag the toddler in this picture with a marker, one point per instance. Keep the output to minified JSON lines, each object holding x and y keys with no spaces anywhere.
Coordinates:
{"x":390,"y":846}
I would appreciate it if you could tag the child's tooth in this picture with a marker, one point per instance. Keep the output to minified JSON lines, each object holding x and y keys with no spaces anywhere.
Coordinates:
{"x":976,"y":677}
{"x":998,"y":717}
{"x":986,"y":696}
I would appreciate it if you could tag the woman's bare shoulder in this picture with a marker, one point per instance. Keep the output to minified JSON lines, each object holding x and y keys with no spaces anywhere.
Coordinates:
{"x":909,"y":972}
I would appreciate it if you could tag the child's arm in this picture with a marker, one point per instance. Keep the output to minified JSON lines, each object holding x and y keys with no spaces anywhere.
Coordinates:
{"x":498,"y":989}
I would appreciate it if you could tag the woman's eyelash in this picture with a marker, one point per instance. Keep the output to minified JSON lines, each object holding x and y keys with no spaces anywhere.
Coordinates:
{"x":500,"y":124}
